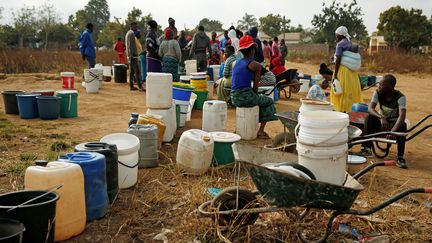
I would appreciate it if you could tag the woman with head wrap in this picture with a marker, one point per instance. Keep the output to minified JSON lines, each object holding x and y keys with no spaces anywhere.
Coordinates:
{"x":349,"y":79}
{"x":152,"y":46}
{"x":170,"y":53}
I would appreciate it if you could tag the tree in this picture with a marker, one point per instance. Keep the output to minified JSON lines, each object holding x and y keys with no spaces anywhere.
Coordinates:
{"x":8,"y":36}
{"x":48,"y":19}
{"x":24,"y":23}
{"x":335,"y":15}
{"x":246,"y":22}
{"x":95,"y":12}
{"x":111,"y":32}
{"x":63,"y":35}
{"x":404,"y":28}
{"x":135,"y":15}
{"x":210,"y":25}
{"x":273,"y":25}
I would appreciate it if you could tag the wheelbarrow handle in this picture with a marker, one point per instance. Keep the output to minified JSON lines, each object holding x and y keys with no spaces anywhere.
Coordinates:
{"x":381,"y":140}
{"x":389,"y":201}
{"x":370,"y":167}
{"x":399,"y":134}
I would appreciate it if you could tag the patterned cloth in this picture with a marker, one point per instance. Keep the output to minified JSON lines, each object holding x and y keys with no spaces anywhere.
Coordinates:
{"x":316,"y":93}
{"x":223,"y":89}
{"x":248,"y":98}
{"x":170,"y":65}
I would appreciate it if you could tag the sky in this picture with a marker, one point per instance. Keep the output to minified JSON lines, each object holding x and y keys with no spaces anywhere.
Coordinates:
{"x":189,"y":12}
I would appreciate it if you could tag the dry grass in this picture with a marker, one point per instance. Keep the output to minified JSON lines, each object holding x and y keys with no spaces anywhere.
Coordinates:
{"x":30,"y":61}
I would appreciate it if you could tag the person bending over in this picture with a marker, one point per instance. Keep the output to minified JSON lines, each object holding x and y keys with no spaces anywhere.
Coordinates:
{"x":391,"y":117}
{"x":246,"y":73}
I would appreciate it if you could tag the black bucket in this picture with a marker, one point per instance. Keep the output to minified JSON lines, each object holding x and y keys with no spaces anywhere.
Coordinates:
{"x":10,"y":101}
{"x":120,"y":73}
{"x":37,"y":216}
{"x":11,"y":231}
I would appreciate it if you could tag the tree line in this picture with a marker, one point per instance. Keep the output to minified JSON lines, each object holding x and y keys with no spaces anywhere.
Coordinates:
{"x":401,"y":28}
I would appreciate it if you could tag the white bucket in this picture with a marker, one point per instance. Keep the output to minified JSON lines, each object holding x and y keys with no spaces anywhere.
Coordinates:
{"x":191,"y":104}
{"x":215,"y":71}
{"x":315,"y":105}
{"x":184,"y":106}
{"x":323,"y":128}
{"x":304,"y":88}
{"x":91,"y":78}
{"x":159,"y":90}
{"x":190,"y":66}
{"x":328,"y":164}
{"x":107,"y":71}
{"x":128,"y":158}
{"x":169,"y":118}
{"x":215,"y":113}
{"x":247,"y":119}
{"x":195,"y":151}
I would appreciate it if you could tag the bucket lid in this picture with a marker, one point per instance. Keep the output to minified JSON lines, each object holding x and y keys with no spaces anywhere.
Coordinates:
{"x":41,"y":97}
{"x":67,"y":92}
{"x":67,"y":74}
{"x":126,"y":143}
{"x":27,"y":95}
{"x":225,"y":137}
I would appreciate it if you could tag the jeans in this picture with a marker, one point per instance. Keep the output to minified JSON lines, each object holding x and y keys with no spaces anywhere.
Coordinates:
{"x":91,"y":61}
{"x":134,"y":73}
{"x":373,"y":125}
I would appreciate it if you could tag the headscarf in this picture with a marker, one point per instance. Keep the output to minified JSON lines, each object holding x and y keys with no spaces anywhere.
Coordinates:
{"x":137,"y":32}
{"x":169,"y":34}
{"x":342,"y":30}
{"x":152,"y":24}
{"x":171,"y":20}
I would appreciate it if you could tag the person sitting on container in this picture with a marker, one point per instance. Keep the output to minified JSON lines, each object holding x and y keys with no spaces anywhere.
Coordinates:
{"x":316,"y":92}
{"x":391,"y":117}
{"x":224,"y":84}
{"x":247,"y":72}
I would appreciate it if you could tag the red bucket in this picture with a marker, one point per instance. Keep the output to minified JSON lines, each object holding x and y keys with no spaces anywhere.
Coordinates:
{"x":67,"y":80}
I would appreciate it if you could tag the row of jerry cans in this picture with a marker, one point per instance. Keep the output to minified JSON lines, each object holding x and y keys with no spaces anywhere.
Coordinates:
{"x":85,"y":193}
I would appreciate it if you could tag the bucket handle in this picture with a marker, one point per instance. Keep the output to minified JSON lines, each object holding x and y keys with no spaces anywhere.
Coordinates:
{"x":128,"y":166}
{"x":325,"y":140}
{"x":70,"y":102}
{"x":54,"y":188}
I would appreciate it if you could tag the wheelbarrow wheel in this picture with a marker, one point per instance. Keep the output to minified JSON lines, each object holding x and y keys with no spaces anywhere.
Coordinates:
{"x":283,"y":139}
{"x":226,"y":200}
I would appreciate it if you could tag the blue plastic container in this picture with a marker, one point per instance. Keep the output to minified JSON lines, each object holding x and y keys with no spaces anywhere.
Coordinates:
{"x":49,"y":107}
{"x":27,"y":105}
{"x":210,"y":73}
{"x":359,"y":107}
{"x":181,"y":94}
{"x":95,"y":185}
{"x":222,"y":66}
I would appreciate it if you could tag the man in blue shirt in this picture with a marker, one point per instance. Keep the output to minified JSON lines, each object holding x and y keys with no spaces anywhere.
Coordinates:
{"x":86,"y":45}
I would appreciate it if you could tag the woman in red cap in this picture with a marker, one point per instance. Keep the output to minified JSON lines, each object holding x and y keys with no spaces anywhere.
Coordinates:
{"x":246,"y":72}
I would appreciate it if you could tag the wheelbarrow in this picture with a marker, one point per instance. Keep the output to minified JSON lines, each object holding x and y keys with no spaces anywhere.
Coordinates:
{"x":239,"y":207}
{"x":381,"y":148}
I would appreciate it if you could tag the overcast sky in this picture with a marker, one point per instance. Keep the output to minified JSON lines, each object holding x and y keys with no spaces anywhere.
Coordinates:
{"x":189,"y":12}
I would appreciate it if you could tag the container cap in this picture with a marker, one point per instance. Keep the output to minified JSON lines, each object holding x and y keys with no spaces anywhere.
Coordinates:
{"x":225,"y":137}
{"x":41,"y":162}
{"x":93,"y":147}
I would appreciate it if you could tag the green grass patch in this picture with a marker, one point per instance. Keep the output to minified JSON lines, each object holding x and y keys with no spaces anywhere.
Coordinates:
{"x":52,"y":156}
{"x":28,"y":156}
{"x":59,"y":145}
{"x":17,"y":168}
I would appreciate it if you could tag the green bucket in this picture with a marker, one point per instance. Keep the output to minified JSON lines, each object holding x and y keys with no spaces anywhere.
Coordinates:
{"x":222,"y":151}
{"x":178,"y":115}
{"x":69,"y":103}
{"x":201,"y":98}
{"x":222,"y":154}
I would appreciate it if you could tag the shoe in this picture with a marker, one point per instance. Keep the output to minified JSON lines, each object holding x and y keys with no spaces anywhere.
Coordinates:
{"x":401,"y":163}
{"x":133,"y":88}
{"x":365,"y":152}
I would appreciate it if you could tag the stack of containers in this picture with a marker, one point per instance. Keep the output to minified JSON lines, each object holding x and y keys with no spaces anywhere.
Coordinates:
{"x":159,"y":101}
{"x":323,"y":149}
{"x":199,"y":81}
{"x":181,"y":94}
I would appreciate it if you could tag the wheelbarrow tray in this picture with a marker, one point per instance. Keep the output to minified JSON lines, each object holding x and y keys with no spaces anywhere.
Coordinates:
{"x":288,"y":119}
{"x":285,"y":190}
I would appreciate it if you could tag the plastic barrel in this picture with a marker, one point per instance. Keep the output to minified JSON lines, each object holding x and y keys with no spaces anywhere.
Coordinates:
{"x":10,"y":101}
{"x":201,"y":98}
{"x":49,"y":107}
{"x":120,"y":73}
{"x":11,"y":231}
{"x":69,"y":103}
{"x":27,"y":105}
{"x":37,"y":216}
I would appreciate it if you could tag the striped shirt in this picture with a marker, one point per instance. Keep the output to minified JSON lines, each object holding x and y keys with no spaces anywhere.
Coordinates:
{"x":227,"y":71}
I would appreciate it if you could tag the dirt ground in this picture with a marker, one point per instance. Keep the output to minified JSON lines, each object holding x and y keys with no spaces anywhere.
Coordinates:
{"x":166,"y":199}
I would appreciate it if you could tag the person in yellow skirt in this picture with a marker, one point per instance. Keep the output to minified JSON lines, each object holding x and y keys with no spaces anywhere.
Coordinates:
{"x":348,"y":78}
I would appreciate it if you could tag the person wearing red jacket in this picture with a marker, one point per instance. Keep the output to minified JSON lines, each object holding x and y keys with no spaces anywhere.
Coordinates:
{"x":120,"y":47}
{"x":277,"y":66}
